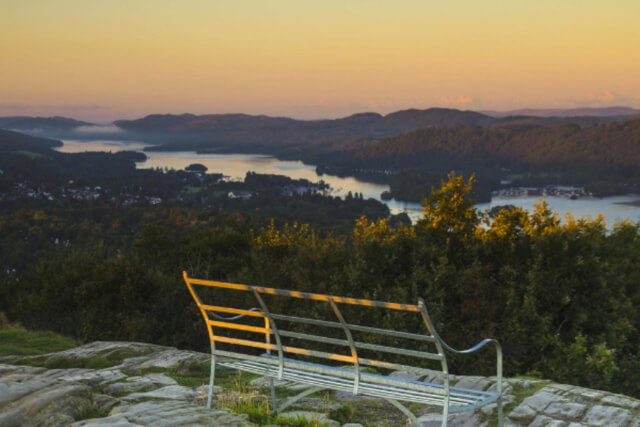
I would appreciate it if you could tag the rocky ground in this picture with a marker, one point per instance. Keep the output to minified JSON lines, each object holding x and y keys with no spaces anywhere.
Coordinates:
{"x":131,"y":384}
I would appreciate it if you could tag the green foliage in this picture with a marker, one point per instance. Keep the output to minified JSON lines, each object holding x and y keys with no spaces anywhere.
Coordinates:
{"x":592,"y":361}
{"x":90,"y":410}
{"x":95,"y":362}
{"x":15,"y":341}
{"x":257,"y":408}
{"x":198,"y":375}
{"x":344,"y":414}
{"x":242,"y":398}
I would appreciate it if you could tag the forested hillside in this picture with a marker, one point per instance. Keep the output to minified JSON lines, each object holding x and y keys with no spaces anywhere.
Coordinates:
{"x":615,"y":144}
{"x":602,"y":157}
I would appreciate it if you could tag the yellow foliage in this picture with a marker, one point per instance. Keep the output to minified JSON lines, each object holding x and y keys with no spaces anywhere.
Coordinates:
{"x":271,"y":237}
{"x":511,"y":224}
{"x":39,"y":215}
{"x":378,"y":231}
{"x":449,"y":209}
{"x":542,"y":222}
{"x":508,"y":224}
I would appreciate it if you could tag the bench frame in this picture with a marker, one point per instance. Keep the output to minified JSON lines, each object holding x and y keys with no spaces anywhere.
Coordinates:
{"x":319,"y":376}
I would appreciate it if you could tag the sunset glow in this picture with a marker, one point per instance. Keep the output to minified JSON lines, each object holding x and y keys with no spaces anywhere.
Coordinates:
{"x":103,"y":60}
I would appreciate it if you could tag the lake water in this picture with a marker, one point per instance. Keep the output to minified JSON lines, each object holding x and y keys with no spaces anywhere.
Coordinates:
{"x":236,"y":166}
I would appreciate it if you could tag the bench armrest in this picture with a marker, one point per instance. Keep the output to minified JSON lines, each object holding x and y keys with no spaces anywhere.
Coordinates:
{"x":445,"y":346}
{"x":477,"y":347}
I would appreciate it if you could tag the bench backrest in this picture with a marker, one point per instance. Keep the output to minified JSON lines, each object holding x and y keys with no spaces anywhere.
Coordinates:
{"x":271,"y":336}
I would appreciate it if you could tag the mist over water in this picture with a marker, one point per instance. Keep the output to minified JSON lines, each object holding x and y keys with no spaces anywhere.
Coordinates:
{"x":106,"y":129}
{"x":76,"y":146}
{"x":236,"y":166}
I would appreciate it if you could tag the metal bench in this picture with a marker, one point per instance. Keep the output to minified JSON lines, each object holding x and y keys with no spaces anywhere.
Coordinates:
{"x":287,"y":361}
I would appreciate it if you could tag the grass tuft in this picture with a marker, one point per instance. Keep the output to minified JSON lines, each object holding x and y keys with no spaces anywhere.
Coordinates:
{"x":16,"y":341}
{"x":96,"y":362}
{"x":90,"y":411}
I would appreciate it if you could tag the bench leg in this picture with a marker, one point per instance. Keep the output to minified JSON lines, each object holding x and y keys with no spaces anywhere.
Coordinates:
{"x":291,"y":400}
{"x":211,"y":378}
{"x":274,"y":402}
{"x":404,"y":410}
{"x":445,"y":413}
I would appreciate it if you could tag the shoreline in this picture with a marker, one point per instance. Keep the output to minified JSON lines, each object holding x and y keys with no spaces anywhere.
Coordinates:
{"x":635,"y":203}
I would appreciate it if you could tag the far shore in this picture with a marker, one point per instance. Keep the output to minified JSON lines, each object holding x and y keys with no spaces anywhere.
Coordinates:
{"x":630,"y":203}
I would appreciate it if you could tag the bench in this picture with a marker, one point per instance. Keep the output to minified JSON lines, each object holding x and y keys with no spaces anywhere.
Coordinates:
{"x":283,"y":354}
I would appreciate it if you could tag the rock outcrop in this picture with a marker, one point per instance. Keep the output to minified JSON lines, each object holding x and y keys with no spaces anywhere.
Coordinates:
{"x":131,"y":384}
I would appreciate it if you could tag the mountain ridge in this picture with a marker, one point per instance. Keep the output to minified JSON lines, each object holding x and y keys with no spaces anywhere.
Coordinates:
{"x":53,"y":123}
{"x":565,"y":112}
{"x":403,"y":120}
{"x":371,"y":123}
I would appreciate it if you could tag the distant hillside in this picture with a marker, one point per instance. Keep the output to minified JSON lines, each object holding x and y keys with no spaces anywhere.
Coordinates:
{"x":580,"y":121}
{"x":26,"y":157}
{"x":408,"y":120}
{"x":25,"y":123}
{"x":16,"y":141}
{"x":289,"y":138}
{"x":567,"y":112}
{"x":606,"y":144}
{"x":603,"y":157}
{"x":402,"y":121}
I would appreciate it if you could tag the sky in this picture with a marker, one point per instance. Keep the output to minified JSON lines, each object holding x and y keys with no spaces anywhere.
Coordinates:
{"x":102,"y":60}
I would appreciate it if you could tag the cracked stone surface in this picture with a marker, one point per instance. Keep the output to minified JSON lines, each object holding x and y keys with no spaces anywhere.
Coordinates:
{"x":474,"y":383}
{"x":161,"y":414}
{"x":311,"y":416}
{"x":567,"y":405}
{"x":175,"y":392}
{"x":607,"y":415}
{"x":138,"y":384}
{"x":36,"y":396}
{"x":134,"y":393}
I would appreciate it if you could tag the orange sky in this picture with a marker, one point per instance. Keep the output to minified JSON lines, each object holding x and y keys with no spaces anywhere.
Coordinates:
{"x":102,"y":60}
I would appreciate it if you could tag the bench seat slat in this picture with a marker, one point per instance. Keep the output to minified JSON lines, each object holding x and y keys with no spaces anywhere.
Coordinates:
{"x":345,"y":376}
{"x":425,"y":388}
{"x":373,"y":377}
{"x":324,"y":369}
{"x":326,"y":380}
{"x":395,"y":366}
{"x":458,"y":397}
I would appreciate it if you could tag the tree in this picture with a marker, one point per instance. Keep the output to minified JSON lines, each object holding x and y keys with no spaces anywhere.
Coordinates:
{"x":196,"y":167}
{"x":450,"y":209}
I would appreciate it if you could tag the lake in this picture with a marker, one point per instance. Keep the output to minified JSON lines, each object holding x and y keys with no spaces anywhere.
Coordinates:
{"x":236,"y":166}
